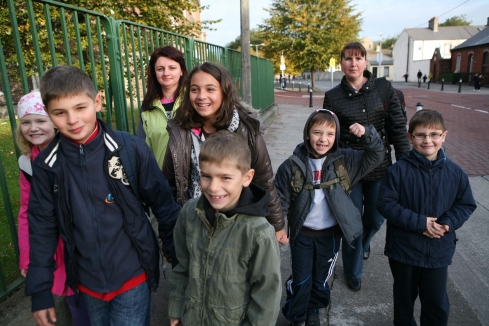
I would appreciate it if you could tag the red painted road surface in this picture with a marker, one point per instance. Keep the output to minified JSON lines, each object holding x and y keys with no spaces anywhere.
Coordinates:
{"x":466,"y":116}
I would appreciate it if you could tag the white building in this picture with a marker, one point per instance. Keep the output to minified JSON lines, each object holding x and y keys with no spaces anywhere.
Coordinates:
{"x":414,"y":48}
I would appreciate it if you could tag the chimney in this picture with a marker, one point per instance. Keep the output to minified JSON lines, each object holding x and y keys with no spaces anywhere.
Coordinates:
{"x":433,"y":24}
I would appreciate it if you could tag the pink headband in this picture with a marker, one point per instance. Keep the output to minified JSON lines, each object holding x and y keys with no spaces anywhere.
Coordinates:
{"x":30,"y":104}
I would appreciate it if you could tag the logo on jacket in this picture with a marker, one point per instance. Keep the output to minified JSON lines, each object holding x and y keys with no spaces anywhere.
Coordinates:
{"x":116,"y":170}
{"x":109,"y":199}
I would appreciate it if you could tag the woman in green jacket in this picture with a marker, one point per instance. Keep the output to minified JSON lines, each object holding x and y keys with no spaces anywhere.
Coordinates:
{"x":166,"y":74}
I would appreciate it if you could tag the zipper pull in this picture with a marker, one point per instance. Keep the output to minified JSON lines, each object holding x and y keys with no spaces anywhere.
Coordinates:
{"x":81,"y":150}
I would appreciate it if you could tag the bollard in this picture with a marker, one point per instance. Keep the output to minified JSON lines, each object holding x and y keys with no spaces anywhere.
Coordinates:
{"x":429,"y":81}
{"x":419,"y":106}
{"x":310,"y":94}
{"x":300,"y":86}
{"x":419,"y":83}
{"x":292,"y":85}
{"x":442,"y":82}
{"x":460,"y":85}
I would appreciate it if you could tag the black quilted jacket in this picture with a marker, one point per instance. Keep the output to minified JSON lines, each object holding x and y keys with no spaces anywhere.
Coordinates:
{"x":365,"y":107}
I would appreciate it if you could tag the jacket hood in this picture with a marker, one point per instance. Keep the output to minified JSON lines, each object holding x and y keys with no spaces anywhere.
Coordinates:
{"x":253,"y":201}
{"x":334,"y":148}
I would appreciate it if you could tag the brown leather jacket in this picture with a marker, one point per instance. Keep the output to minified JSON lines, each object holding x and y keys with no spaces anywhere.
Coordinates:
{"x":176,"y":167}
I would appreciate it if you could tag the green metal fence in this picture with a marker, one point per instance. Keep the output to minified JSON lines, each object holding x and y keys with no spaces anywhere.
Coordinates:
{"x":115,"y":54}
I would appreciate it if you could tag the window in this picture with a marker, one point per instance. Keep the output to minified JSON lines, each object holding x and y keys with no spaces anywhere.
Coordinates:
{"x":484,"y":62}
{"x":457,"y":67}
{"x":386,"y":71}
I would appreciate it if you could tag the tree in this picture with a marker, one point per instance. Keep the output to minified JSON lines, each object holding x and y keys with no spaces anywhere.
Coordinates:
{"x":457,"y":21}
{"x":389,"y":42}
{"x":309,"y":32}
{"x":256,"y":37}
{"x":167,"y":15}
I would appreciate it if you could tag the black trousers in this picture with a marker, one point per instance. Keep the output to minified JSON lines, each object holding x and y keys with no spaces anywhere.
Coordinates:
{"x":431,"y":286}
{"x":313,"y":261}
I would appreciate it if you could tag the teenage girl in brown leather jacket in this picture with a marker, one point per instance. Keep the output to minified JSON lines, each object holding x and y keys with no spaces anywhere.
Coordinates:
{"x":210,"y":103}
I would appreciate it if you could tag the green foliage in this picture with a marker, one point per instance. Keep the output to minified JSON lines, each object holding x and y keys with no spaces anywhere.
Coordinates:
{"x":8,"y":259}
{"x":309,"y":32}
{"x":256,"y":37}
{"x":389,"y":42}
{"x":456,"y":21}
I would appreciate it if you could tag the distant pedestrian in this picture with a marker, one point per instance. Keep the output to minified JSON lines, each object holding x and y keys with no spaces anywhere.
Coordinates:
{"x":424,"y":197}
{"x":476,"y":81}
{"x":405,"y":77}
{"x":420,"y":74}
{"x":424,"y":78}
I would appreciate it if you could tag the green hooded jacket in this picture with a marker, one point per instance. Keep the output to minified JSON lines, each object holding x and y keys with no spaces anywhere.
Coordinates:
{"x":228,"y":274}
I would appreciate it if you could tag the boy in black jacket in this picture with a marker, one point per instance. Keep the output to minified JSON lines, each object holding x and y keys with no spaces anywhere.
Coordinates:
{"x":80,"y":192}
{"x":321,"y":211}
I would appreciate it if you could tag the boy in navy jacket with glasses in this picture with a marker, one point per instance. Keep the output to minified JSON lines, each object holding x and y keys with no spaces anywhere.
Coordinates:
{"x":424,"y":197}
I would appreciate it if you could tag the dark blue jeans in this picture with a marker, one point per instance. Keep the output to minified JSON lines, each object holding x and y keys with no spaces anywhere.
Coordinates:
{"x":430,"y":284}
{"x":313,"y":261}
{"x":131,"y":308}
{"x":364,"y":197}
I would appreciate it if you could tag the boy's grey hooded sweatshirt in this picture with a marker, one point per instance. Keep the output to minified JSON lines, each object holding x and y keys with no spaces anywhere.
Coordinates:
{"x":357,"y":164}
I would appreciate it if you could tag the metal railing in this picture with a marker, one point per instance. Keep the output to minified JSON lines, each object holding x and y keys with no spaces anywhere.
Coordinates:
{"x":115,"y":54}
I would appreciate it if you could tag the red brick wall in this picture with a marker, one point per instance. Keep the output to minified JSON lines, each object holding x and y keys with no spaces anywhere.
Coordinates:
{"x":464,"y":63}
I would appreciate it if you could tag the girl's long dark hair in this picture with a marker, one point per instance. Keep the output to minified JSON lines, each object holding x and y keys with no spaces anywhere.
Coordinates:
{"x":188,"y":118}
{"x":153,"y":87}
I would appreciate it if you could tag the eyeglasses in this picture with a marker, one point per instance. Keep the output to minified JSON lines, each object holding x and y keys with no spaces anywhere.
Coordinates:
{"x":433,"y":135}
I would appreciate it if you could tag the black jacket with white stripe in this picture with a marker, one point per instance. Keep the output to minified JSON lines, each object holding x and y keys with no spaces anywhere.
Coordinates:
{"x":80,"y":192}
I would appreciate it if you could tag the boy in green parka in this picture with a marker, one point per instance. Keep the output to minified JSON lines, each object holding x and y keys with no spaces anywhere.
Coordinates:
{"x":229,"y":260}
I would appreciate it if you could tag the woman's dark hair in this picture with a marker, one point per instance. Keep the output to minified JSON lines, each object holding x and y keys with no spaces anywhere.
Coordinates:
{"x":188,"y":118}
{"x":154,"y":91}
{"x":356,"y":48}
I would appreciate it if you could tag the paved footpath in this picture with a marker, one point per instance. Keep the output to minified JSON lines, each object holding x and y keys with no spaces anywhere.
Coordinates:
{"x":468,"y":282}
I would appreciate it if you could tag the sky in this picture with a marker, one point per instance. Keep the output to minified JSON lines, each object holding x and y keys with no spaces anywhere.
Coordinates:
{"x":390,"y":17}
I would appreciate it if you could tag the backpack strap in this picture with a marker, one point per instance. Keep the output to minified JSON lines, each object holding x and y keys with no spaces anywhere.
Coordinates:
{"x":298,"y":172}
{"x":298,"y":169}
{"x":127,"y":154}
{"x":342,"y":174}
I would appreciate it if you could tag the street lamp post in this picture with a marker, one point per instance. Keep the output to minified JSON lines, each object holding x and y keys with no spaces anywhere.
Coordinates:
{"x":256,"y":47}
{"x":380,"y":57}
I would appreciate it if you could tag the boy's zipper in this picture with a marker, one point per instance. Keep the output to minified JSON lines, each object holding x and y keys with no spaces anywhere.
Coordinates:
{"x":209,"y":238}
{"x":93,"y":218}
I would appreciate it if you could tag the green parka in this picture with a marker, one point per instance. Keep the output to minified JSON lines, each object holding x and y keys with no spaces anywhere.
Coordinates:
{"x":227,"y":275}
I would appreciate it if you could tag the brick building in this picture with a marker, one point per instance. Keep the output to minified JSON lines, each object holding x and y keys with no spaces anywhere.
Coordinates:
{"x":439,"y":65}
{"x":472,"y":56}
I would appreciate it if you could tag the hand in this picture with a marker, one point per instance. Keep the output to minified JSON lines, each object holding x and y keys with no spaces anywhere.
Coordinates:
{"x":175,"y":322}
{"x":433,"y":229}
{"x":165,"y":253}
{"x":45,"y":317}
{"x":357,"y":130}
{"x":23,"y":272}
{"x":281,"y":237}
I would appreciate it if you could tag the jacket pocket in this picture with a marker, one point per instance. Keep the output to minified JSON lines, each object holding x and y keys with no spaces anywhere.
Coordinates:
{"x":230,"y":316}
{"x":190,"y":314}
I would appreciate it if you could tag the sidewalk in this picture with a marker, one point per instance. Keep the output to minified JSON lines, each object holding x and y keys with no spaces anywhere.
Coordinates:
{"x":468,"y":286}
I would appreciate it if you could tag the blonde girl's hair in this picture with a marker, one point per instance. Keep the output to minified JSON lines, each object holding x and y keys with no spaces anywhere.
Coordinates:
{"x":24,"y":145}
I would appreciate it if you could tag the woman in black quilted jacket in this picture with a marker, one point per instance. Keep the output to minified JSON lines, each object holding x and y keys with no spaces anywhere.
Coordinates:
{"x":357,"y":99}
